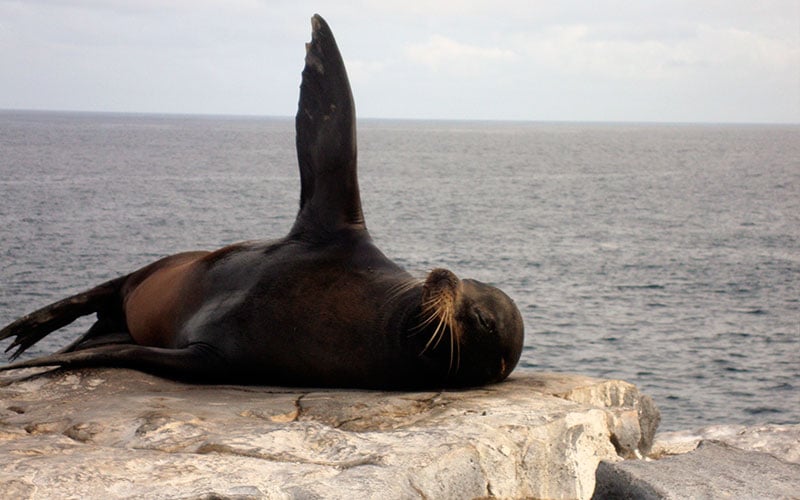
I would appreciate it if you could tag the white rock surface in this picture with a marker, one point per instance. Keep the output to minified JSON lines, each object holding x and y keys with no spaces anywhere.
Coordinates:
{"x":720,"y":461}
{"x":781,"y":441}
{"x":124,"y":434}
{"x":713,"y":470}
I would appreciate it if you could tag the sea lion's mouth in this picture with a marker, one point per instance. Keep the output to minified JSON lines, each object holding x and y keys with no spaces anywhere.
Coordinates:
{"x":439,"y":298}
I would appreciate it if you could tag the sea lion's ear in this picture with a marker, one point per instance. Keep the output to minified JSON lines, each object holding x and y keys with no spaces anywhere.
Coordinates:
{"x":326,"y":140}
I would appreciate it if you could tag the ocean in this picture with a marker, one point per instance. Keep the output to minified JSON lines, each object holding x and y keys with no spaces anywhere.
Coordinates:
{"x":667,"y":255}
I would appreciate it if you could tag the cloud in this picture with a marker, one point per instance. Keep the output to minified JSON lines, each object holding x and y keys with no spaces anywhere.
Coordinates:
{"x":441,"y":52}
{"x":597,"y":51}
{"x":360,"y":71}
{"x":700,"y":60}
{"x":453,"y":8}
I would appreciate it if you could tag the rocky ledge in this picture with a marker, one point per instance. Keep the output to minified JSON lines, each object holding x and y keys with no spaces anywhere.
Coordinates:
{"x":721,"y":461}
{"x":123,"y":434}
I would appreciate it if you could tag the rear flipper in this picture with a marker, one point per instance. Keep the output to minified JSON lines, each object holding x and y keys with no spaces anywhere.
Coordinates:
{"x":104,"y":299}
{"x":196,"y":363}
{"x":101,"y":333}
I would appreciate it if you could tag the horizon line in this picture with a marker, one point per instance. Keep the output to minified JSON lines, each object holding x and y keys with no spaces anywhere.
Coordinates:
{"x":394,"y":119}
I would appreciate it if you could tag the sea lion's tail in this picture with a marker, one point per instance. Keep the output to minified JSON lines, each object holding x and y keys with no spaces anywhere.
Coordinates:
{"x":104,"y":299}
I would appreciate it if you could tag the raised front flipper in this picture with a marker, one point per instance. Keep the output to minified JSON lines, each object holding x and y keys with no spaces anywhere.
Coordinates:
{"x":326,"y":141}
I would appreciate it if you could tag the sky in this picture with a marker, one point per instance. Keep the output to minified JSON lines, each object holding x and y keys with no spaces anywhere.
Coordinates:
{"x":707,"y":61}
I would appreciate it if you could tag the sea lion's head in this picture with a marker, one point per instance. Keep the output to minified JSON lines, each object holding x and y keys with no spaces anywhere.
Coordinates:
{"x":474,"y":328}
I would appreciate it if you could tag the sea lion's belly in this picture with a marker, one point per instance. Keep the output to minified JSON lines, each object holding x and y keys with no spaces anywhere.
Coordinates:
{"x":153,"y":308}
{"x":298,"y":315}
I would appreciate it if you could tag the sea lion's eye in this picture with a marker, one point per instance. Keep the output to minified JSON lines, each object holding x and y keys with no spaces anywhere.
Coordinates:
{"x":484,"y":321}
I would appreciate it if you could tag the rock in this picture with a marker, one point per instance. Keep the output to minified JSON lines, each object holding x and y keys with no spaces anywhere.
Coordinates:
{"x":717,"y":461}
{"x":713,"y":470}
{"x":782,"y":441}
{"x":122,"y":434}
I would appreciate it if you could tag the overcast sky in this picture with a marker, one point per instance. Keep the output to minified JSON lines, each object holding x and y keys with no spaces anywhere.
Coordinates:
{"x":600,"y":60}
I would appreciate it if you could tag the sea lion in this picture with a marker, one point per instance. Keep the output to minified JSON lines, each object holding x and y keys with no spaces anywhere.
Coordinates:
{"x":320,"y":307}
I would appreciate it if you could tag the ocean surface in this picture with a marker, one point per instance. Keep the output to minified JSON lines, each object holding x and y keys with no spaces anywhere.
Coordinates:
{"x":665,"y":255}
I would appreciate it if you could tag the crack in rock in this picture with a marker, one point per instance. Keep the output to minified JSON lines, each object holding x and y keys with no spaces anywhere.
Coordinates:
{"x":285,"y":457}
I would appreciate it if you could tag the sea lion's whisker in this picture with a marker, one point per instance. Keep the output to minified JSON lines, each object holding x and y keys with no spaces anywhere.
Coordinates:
{"x":430,"y":340}
{"x":425,"y":349}
{"x":431,"y":317}
{"x":456,"y":332}
{"x":434,"y":307}
{"x":439,"y":333}
{"x":450,"y":367}
{"x":399,"y":289}
{"x":432,"y":301}
{"x":455,"y":343}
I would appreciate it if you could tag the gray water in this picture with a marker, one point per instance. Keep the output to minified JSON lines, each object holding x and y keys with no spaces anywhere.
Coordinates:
{"x":665,"y":255}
